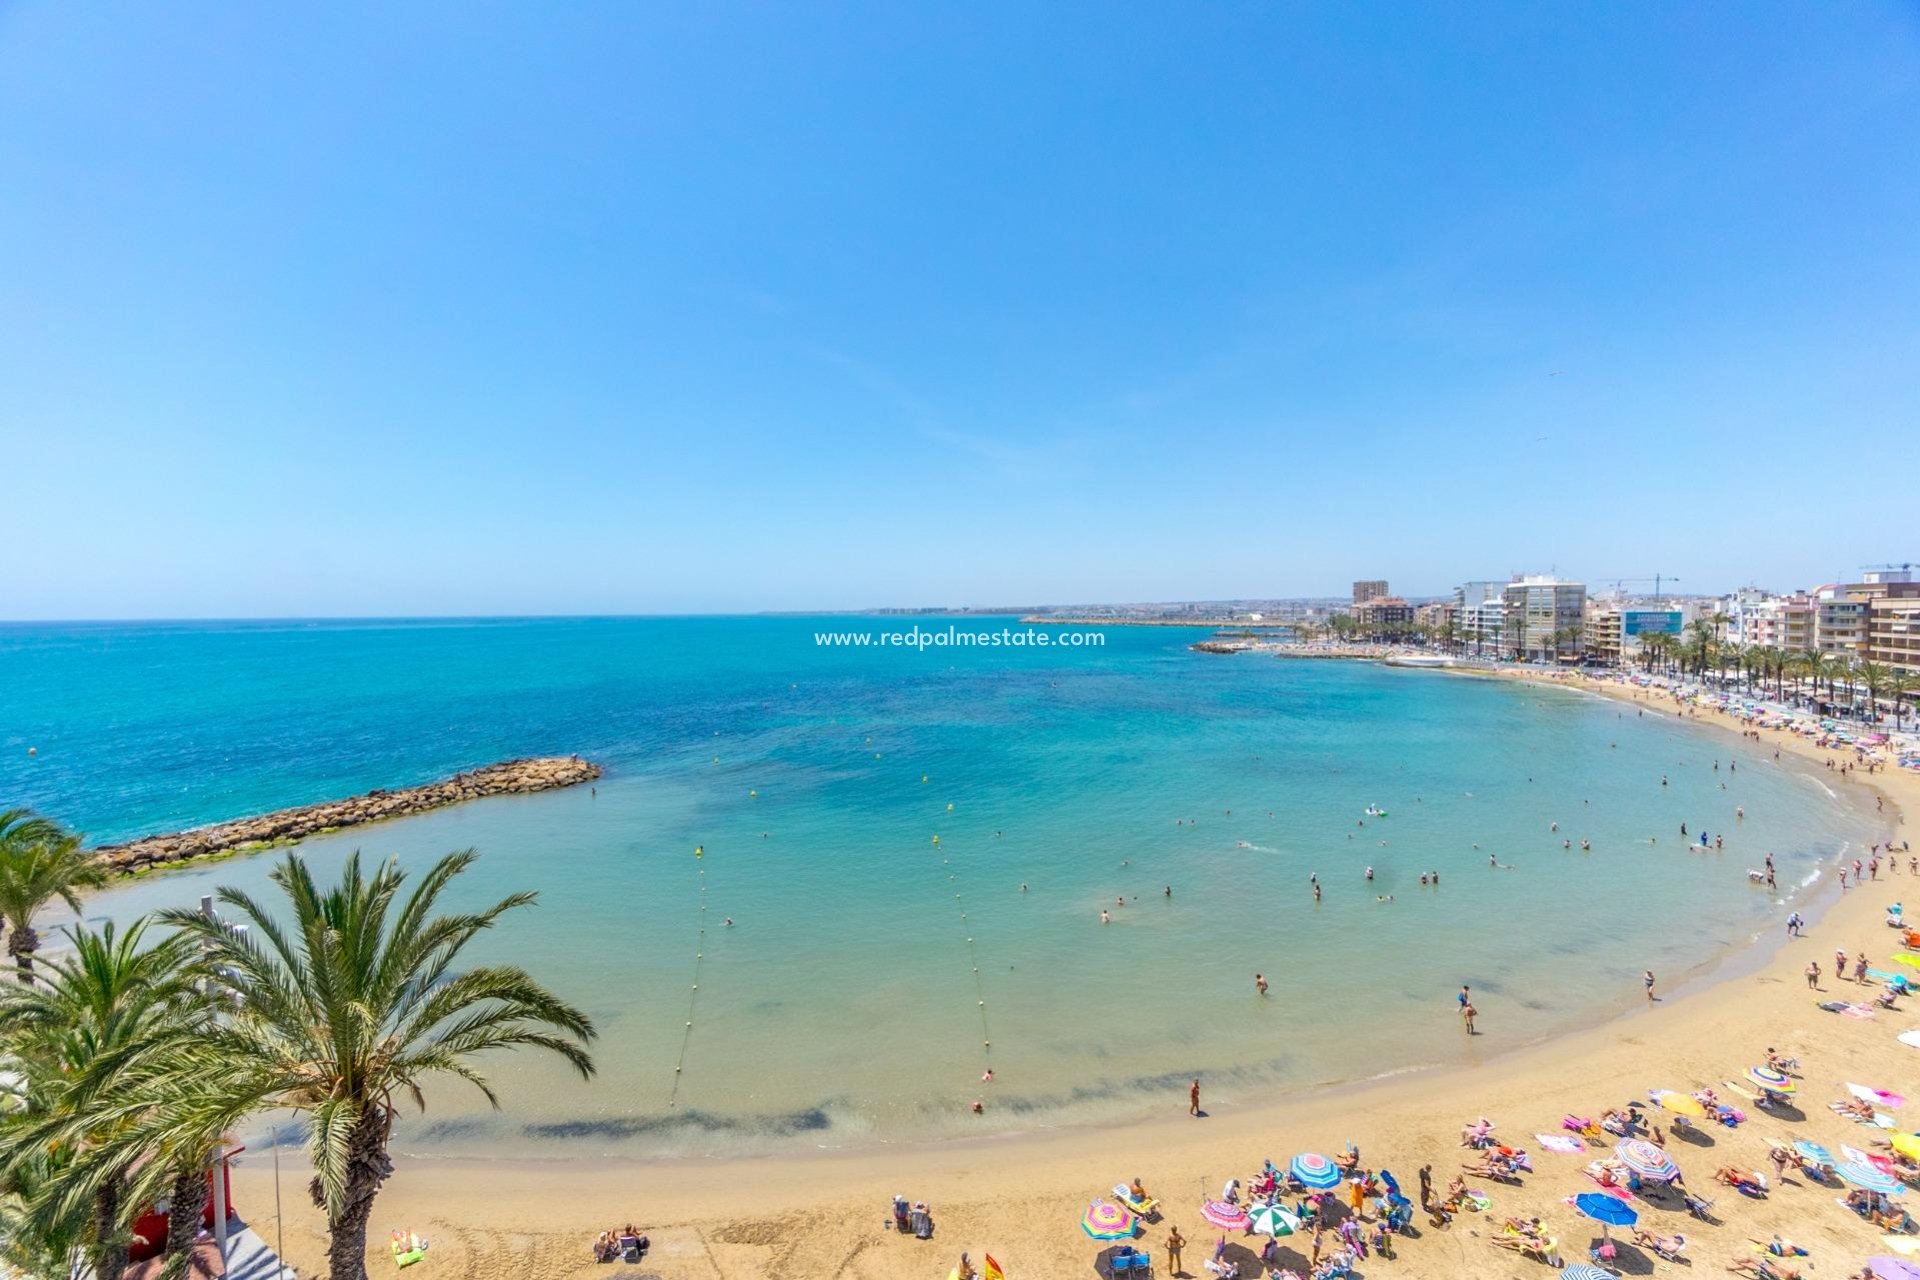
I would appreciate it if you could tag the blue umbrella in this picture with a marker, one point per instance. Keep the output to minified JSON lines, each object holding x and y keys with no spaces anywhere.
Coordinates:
{"x":1315,"y":1171}
{"x":1815,"y":1152}
{"x":1606,"y":1209}
{"x":1581,"y":1271}
{"x":1868,"y":1178}
{"x":1393,"y":1188}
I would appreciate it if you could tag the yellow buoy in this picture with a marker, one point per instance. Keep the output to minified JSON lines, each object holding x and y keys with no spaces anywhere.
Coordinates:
{"x":754,"y":794}
{"x":949,"y":808}
{"x":699,"y":851}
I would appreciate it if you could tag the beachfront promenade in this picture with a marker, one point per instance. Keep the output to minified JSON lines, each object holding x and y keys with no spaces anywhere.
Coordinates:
{"x":1022,"y":1199}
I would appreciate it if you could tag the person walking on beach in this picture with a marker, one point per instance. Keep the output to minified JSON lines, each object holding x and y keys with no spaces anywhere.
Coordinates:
{"x":1860,"y":967}
{"x":1260,"y":981}
{"x":1193,"y":1098}
{"x":1175,"y":1243}
{"x":1466,"y":1013}
{"x":1649,"y":981}
{"x":1813,"y":975}
{"x":1465,"y":997}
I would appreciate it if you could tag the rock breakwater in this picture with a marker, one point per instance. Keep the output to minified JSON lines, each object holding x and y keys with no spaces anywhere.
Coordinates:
{"x":509,"y":777}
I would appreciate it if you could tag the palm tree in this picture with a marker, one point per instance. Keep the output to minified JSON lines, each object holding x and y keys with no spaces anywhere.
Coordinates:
{"x":355,"y":1003}
{"x":112,"y":1003}
{"x":1876,"y":678}
{"x":38,"y":863}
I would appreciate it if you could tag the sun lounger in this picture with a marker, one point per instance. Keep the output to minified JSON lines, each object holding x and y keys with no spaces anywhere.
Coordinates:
{"x":1146,"y":1208}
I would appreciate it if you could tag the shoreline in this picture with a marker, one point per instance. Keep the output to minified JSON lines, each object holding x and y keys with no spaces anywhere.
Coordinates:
{"x":815,"y":1213}
{"x":285,"y":826}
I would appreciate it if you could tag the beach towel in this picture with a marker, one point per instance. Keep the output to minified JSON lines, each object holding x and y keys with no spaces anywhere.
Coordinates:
{"x":1567,"y":1146}
{"x":1909,"y":1038}
{"x":1891,"y":1101}
{"x":1858,"y":1011}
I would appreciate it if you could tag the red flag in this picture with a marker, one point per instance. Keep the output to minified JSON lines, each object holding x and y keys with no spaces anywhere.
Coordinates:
{"x":993,"y":1271}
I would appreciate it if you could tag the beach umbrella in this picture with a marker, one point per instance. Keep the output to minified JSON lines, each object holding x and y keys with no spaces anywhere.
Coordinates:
{"x":1315,"y":1170}
{"x":1581,"y":1271}
{"x":1646,"y":1159}
{"x":1272,"y":1220}
{"x":1815,"y":1152}
{"x":1907,"y":1144}
{"x":1868,"y":1178}
{"x":1907,"y":958}
{"x":1228,"y":1217}
{"x":1106,"y":1220}
{"x":1679,"y":1103}
{"x":1884,"y":1268}
{"x":1768,"y":1078}
{"x":1605,"y":1209}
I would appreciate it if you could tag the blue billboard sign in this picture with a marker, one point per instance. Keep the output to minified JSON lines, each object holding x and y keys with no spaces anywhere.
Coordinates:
{"x":1650,"y":622}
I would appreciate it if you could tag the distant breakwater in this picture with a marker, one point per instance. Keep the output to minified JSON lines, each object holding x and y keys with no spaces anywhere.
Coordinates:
{"x":509,"y":777}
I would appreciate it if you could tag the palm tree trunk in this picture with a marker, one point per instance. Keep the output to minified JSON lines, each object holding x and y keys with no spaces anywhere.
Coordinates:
{"x":110,"y":1244}
{"x":187,"y":1203}
{"x":21,"y":946}
{"x":367,"y":1167}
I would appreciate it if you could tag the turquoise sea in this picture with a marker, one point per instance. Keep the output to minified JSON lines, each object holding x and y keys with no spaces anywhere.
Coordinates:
{"x":867,"y":966}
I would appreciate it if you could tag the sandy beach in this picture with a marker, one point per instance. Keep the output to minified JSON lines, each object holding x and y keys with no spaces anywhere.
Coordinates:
{"x":1020,"y":1199}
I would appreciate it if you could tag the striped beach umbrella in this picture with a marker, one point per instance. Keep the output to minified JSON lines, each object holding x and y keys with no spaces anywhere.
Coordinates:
{"x":1272,"y":1220}
{"x":1815,"y":1152}
{"x":1228,"y":1217}
{"x":1314,"y":1170}
{"x":1768,"y":1078}
{"x":1647,"y":1160}
{"x":1106,"y":1220}
{"x":1581,"y":1271}
{"x":1868,"y":1178}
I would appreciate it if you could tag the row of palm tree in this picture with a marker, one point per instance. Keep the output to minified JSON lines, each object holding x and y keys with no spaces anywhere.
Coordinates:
{"x":1767,"y":669}
{"x":134,"y":1051}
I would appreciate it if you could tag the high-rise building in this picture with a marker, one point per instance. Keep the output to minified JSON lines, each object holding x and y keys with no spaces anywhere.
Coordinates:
{"x":1385,"y":617}
{"x":1893,"y":628}
{"x":1544,"y":617}
{"x":1370,"y":589}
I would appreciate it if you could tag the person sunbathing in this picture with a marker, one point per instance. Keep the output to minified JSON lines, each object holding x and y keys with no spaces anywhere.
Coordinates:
{"x":1749,"y":1183}
{"x":1350,"y":1161}
{"x":1764,"y":1269}
{"x":1658,"y":1243}
{"x":1613,"y":1122}
{"x":1491,"y":1166}
{"x":1857,"y":1108}
{"x":1477,"y":1134}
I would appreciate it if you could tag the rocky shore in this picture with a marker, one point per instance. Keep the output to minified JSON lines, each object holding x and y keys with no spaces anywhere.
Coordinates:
{"x":510,"y":777}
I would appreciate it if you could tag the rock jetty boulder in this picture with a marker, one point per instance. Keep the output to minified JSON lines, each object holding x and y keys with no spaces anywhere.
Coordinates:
{"x":510,"y":777}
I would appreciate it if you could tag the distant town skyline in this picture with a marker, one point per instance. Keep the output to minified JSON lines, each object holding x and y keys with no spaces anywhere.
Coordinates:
{"x":637,"y":310}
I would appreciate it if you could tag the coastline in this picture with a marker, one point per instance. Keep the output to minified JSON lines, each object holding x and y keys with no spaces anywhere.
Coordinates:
{"x":1020,"y":1196}
{"x":284,"y":826}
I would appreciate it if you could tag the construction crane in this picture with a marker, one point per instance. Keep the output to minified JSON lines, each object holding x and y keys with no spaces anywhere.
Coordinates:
{"x":1657,"y":580}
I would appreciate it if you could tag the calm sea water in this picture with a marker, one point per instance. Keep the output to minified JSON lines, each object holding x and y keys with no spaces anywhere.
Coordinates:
{"x":868,"y":966}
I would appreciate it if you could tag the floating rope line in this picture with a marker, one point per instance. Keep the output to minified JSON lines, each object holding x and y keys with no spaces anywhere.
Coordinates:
{"x":973,"y":958}
{"x":693,"y":996}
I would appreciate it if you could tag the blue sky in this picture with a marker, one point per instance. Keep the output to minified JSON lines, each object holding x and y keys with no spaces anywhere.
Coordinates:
{"x":610,"y":308}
